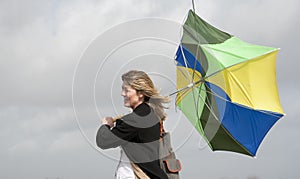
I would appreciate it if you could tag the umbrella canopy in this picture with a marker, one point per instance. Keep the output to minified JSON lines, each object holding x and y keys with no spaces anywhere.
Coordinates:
{"x":227,"y":88}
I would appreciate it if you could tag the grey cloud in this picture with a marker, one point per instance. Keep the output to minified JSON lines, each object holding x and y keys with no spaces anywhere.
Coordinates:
{"x":41,"y":43}
{"x":34,"y":124}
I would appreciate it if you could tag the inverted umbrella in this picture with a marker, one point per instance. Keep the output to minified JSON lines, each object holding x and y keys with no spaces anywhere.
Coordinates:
{"x":226,"y":87}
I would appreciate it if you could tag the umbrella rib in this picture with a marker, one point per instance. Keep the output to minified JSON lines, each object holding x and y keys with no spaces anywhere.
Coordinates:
{"x":210,"y":108}
{"x":195,"y":63}
{"x":199,"y":117}
{"x":184,"y":58}
{"x":186,"y":62}
{"x":194,"y":70}
{"x":184,"y":74}
{"x":204,"y":101}
{"x":196,"y":100}
{"x":189,"y":32}
{"x":186,"y":65}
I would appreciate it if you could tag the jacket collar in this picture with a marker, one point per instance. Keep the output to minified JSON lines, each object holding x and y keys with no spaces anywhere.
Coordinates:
{"x":142,"y":110}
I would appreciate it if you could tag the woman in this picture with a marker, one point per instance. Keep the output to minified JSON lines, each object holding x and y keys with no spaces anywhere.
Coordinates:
{"x":137,"y":133}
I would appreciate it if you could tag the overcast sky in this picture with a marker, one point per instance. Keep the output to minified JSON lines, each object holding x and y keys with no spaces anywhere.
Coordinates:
{"x":47,"y":45}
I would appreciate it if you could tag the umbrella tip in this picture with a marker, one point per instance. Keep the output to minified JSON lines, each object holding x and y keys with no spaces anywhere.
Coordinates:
{"x":193,"y":4}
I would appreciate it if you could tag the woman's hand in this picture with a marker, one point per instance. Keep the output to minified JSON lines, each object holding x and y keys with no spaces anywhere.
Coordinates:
{"x":108,"y":121}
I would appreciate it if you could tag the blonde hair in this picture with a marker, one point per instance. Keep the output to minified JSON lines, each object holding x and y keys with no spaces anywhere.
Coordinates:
{"x":143,"y":84}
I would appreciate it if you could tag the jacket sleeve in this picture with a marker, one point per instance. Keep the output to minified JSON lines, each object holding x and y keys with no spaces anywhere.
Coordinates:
{"x":119,"y":135}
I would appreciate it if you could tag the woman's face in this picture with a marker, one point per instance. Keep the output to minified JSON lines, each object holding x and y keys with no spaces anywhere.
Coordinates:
{"x":131,"y":97}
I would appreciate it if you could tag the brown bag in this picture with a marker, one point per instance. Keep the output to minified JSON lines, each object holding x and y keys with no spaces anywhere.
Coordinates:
{"x":167,"y":157}
{"x":168,"y":162}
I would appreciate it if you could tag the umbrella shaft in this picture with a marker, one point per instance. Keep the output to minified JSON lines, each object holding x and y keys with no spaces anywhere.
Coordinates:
{"x":187,"y":87}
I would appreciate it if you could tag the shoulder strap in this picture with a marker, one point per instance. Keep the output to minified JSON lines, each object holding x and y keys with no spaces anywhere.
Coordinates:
{"x":162,"y":130}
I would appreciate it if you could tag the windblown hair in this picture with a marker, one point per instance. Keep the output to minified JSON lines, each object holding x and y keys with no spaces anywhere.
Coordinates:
{"x":143,"y":84}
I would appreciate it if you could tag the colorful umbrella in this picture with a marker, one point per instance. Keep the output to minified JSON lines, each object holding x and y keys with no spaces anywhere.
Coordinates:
{"x":227,"y":88}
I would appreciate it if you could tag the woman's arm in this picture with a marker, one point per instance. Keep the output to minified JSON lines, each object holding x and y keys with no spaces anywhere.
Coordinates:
{"x":118,"y":135}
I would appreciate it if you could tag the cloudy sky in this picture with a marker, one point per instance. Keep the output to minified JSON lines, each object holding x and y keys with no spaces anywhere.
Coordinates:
{"x":52,"y":48}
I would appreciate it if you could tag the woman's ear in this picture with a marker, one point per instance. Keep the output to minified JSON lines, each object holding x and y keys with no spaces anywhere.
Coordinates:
{"x":140,"y":95}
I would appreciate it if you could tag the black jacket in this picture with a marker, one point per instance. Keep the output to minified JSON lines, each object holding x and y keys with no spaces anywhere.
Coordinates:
{"x":138,"y":133}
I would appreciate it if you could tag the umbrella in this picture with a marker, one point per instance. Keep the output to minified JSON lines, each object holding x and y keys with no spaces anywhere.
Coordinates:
{"x":227,"y":88}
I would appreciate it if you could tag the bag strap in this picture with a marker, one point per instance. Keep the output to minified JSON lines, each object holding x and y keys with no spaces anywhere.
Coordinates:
{"x":162,"y":130}
{"x":138,"y":172}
